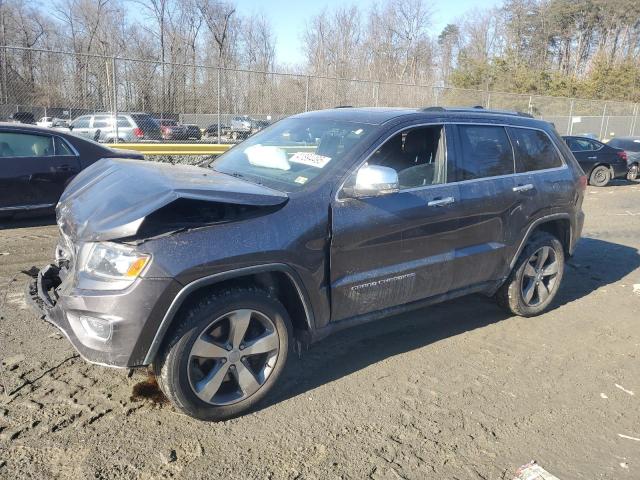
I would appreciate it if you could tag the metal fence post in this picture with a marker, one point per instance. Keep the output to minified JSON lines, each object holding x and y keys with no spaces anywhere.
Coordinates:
{"x":488,"y":100}
{"x":604,"y":113}
{"x":219,"y":95}
{"x":306,"y":95}
{"x":634,"y":119}
{"x":570,"y":123}
{"x":377,"y":94}
{"x":114,"y":86}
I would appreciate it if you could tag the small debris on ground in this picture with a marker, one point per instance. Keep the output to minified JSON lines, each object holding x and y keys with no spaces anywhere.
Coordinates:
{"x":169,"y":456}
{"x":533,"y":471}
{"x":624,"y":389}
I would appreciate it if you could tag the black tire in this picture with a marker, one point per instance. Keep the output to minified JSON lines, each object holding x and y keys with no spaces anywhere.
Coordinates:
{"x":600,"y":176}
{"x":174,"y":361}
{"x":634,"y":173}
{"x":511,"y":294}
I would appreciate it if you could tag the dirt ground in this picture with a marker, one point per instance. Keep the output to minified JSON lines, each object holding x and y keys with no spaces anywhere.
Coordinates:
{"x":459,"y":390}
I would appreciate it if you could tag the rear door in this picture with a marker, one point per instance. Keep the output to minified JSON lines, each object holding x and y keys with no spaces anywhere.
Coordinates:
{"x":586,"y":152}
{"x":543,"y":181}
{"x":40,"y":165}
{"x":485,"y":174}
{"x":396,"y":248}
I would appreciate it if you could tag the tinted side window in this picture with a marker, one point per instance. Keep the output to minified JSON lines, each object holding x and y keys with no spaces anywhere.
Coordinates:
{"x":534,"y":150}
{"x":123,"y":122}
{"x":81,"y":122}
{"x":582,"y":145}
{"x":25,"y":145}
{"x":486,"y":152}
{"x":62,"y":148}
{"x":101,"y":122}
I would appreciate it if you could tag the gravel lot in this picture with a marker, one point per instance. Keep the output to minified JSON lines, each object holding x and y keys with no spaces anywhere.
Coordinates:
{"x":459,"y":390}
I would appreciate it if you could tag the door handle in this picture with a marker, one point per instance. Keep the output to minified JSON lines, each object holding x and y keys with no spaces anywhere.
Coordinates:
{"x":440,"y":202}
{"x":523,"y":188}
{"x":64,"y":168}
{"x":592,"y":158}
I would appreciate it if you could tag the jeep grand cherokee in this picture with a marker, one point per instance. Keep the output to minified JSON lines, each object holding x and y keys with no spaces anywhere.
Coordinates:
{"x":322,"y":221}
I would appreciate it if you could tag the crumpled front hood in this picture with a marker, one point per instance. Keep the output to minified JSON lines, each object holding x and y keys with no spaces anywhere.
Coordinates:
{"x":112,"y":197}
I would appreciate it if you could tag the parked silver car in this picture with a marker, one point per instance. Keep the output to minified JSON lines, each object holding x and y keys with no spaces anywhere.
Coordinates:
{"x":131,"y":127}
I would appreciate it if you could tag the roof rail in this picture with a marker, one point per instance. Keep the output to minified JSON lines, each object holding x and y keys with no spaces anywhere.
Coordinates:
{"x":344,"y":106}
{"x":476,"y":109}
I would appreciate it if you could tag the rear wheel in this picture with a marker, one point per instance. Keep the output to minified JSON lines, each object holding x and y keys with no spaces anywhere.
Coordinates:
{"x":226,"y":354}
{"x":535,"y":278}
{"x":600,"y":176}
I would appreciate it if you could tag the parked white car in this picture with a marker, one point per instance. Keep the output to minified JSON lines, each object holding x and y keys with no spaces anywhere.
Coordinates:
{"x":46,"y":122}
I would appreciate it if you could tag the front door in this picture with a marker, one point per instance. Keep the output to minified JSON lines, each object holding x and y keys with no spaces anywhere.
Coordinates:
{"x":396,"y":248}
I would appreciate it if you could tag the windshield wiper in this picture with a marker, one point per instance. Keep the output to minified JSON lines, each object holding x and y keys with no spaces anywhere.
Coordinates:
{"x":244,"y":177}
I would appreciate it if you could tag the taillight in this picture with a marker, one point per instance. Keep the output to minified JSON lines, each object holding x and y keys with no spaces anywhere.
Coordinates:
{"x":138,"y":132}
{"x":582,"y":182}
{"x":622,"y":154}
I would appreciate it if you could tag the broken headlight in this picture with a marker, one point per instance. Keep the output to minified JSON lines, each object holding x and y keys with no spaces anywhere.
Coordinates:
{"x":110,"y":262}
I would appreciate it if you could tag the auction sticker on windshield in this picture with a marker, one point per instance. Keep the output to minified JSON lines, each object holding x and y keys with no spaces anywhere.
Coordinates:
{"x":310,"y":159}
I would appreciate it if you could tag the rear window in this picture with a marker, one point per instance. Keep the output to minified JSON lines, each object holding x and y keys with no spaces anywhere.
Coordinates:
{"x":534,"y":150}
{"x":486,"y":152}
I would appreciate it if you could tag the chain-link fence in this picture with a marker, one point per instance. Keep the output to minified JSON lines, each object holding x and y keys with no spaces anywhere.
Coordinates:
{"x":227,"y":103}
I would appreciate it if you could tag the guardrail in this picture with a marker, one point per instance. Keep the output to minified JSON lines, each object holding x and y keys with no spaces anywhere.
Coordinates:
{"x":174,"y":148}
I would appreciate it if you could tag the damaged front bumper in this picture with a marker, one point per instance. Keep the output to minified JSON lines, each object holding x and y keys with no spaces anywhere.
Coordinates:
{"x":112,"y":328}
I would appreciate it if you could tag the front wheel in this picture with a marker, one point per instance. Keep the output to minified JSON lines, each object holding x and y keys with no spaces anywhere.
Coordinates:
{"x":535,"y":278}
{"x":600,"y":176}
{"x":633,"y":173}
{"x":226,"y":354}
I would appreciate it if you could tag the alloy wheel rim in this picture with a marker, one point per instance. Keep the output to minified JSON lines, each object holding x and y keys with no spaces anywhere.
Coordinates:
{"x":540,"y":276}
{"x":233,"y":357}
{"x":601,"y":175}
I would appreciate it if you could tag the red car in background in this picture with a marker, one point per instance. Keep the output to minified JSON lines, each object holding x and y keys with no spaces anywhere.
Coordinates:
{"x":172,"y":130}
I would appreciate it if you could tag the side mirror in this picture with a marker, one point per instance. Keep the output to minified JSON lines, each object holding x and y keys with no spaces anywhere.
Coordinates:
{"x":374,"y":180}
{"x":70,"y":127}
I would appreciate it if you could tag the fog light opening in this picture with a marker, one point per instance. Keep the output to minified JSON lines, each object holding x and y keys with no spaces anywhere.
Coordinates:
{"x":98,"y":328}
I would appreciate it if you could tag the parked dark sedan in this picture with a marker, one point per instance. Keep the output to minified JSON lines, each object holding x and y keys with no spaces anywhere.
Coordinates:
{"x":193,"y":132}
{"x":37,"y":164}
{"x":601,"y":162}
{"x":212,"y":130}
{"x":172,"y":130}
{"x":22,"y":117}
{"x":631,"y":146}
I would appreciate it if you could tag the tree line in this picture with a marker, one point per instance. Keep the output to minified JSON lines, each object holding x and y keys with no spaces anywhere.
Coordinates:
{"x":574,"y":48}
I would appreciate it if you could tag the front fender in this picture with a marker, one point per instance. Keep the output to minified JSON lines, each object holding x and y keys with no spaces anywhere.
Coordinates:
{"x":188,"y":289}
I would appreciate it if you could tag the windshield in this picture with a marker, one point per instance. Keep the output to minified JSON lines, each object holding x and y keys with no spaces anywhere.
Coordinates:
{"x":292,"y":152}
